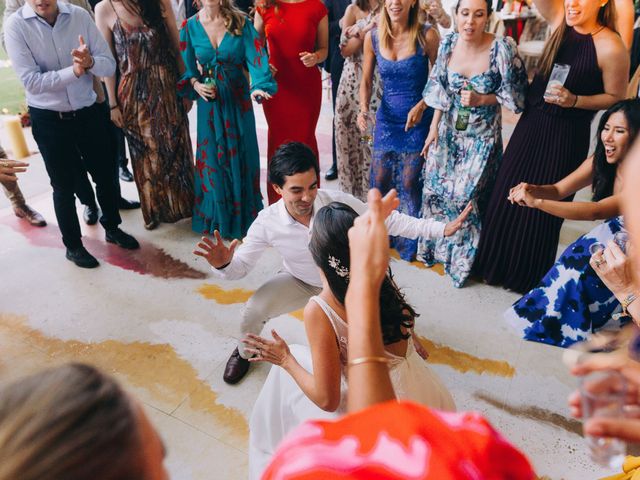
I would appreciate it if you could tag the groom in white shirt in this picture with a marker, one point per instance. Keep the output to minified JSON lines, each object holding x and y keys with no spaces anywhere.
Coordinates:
{"x":285,"y":226}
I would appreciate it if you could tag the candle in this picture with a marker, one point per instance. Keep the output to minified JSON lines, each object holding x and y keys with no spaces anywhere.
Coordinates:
{"x":16,"y":137}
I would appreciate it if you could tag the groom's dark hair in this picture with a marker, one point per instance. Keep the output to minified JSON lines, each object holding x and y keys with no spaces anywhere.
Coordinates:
{"x":289,"y":159}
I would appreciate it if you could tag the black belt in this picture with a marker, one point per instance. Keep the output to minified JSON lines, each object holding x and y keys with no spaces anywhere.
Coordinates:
{"x":71,"y":115}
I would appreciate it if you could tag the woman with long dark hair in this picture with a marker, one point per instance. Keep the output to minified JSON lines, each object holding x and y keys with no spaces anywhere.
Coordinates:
{"x":475,"y":76}
{"x":517,"y":246}
{"x":144,"y":39}
{"x":401,"y":48}
{"x":310,"y":383}
{"x":221,"y":41}
{"x":571,"y":301}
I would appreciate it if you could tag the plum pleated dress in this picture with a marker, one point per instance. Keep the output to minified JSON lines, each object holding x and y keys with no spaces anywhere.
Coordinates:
{"x":517,"y":244}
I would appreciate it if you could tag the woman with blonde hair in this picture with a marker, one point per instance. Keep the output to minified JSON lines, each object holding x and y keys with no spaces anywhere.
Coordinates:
{"x":517,"y":246}
{"x":220,"y":41}
{"x":75,"y":423}
{"x":401,"y":48}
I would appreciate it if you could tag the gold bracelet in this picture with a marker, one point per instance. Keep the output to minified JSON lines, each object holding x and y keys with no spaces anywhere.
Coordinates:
{"x":361,"y":360}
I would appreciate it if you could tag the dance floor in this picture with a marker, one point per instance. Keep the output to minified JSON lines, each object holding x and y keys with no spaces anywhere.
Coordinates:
{"x":156,"y":320}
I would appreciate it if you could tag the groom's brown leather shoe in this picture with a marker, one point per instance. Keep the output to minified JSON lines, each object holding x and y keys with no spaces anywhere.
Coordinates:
{"x":237,"y":367}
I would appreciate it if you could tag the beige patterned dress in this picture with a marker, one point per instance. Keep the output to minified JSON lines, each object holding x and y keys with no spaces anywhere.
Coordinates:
{"x":155,"y":124}
{"x":354,"y":158}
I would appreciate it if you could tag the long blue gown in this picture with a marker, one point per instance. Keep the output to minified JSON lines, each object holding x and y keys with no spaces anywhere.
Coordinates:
{"x":227,"y":182}
{"x":396,"y":161}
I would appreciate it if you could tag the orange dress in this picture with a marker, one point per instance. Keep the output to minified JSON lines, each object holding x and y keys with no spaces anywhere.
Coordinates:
{"x":292,"y":114}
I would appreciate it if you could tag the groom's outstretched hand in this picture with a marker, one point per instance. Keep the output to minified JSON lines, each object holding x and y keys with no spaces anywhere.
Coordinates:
{"x":217,"y":254}
{"x":455,"y":225}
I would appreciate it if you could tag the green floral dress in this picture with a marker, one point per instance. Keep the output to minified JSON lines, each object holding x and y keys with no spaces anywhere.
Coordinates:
{"x":227,"y":180}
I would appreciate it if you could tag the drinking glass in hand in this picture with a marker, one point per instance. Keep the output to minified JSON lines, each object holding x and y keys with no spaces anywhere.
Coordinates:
{"x":621,"y":238}
{"x":595,"y":248}
{"x":558,"y":76}
{"x":603,"y":394}
{"x":366,"y":136}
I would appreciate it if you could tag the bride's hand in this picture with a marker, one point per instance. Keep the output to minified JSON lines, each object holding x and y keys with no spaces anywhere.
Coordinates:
{"x":423,"y":352}
{"x":274,"y":351}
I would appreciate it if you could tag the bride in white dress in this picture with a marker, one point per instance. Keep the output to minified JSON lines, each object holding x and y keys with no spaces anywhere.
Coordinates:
{"x":309,"y":382}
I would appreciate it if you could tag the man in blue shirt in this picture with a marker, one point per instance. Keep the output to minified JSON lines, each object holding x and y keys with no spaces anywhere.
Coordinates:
{"x":56,"y":49}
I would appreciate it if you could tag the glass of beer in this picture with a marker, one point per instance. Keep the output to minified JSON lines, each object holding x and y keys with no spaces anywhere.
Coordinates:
{"x":366,"y":136}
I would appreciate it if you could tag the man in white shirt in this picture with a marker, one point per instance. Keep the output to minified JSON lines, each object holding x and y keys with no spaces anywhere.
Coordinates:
{"x":286,"y":226}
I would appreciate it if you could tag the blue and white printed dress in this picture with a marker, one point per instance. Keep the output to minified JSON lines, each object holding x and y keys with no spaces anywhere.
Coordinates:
{"x":462,"y":167}
{"x":571,"y":301}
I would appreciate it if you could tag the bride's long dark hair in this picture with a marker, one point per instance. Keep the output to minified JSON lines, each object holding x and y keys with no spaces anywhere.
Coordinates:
{"x":329,"y":247}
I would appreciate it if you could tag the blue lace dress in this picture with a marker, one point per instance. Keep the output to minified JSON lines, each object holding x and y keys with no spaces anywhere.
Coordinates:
{"x":571,"y":301}
{"x":463,"y":165}
{"x":396,"y":161}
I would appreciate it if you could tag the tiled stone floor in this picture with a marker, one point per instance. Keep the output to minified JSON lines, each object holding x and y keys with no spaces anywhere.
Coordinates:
{"x":157,"y":321}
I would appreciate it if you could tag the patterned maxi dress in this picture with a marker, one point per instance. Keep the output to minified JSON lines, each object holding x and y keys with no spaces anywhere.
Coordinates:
{"x":354,"y":157}
{"x":571,"y":301}
{"x":155,"y":124}
{"x":227,"y":182}
{"x":463,"y":165}
{"x":396,"y":159}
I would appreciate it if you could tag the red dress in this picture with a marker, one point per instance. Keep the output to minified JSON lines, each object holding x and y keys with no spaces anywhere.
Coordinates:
{"x":292,"y":114}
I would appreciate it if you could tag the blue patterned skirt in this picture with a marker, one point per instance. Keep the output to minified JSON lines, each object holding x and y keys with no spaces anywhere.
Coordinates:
{"x":571,"y":301}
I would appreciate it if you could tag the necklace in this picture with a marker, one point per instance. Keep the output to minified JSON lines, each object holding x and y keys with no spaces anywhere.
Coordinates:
{"x":593,"y":34}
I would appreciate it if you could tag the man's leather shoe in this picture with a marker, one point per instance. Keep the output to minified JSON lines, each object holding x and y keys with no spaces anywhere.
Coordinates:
{"x":91,"y":215}
{"x":237,"y":367}
{"x":332,"y":173}
{"x":81,"y":257}
{"x":124,"y":204}
{"x":30,"y":215}
{"x":125,"y":174}
{"x":121,"y":239}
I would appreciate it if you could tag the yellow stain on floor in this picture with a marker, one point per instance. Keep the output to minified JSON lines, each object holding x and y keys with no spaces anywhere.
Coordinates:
{"x":461,"y":361}
{"x":299,"y":314}
{"x":437,"y":268}
{"x":214,"y":292}
{"x":156,"y":368}
{"x":464,"y":362}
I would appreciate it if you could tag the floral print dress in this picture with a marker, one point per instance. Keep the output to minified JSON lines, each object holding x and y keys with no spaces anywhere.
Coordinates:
{"x":571,"y":301}
{"x":462,"y":167}
{"x":354,"y":157}
{"x":227,"y":181}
